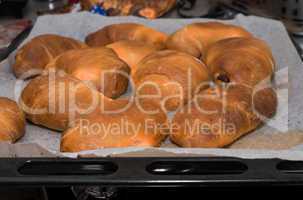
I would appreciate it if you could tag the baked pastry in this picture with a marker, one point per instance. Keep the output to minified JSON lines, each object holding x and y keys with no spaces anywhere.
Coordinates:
{"x":172,"y":76}
{"x":12,"y":121}
{"x":126,"y":31}
{"x":245,"y":61}
{"x":90,"y":120}
{"x":32,"y":57}
{"x":132,"y":52}
{"x":195,"y":38}
{"x":218,"y":117}
{"x":52,"y":100}
{"x":100,"y":66}
{"x":129,"y":128}
{"x":150,"y":9}
{"x":239,"y":101}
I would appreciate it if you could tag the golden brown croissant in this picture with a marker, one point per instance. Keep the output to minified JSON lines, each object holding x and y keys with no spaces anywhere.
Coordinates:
{"x":126,"y":31}
{"x":62,"y":101}
{"x":38,"y":52}
{"x":131,"y":127}
{"x":196,"y":38}
{"x":12,"y":121}
{"x":218,"y":117}
{"x":246,"y":61}
{"x":172,"y":76}
{"x":50,"y":100}
{"x":242,"y":68}
{"x":101,"y":66}
{"x":132,"y":52}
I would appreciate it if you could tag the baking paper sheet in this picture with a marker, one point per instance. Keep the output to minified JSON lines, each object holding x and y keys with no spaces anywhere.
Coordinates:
{"x":281,"y":137}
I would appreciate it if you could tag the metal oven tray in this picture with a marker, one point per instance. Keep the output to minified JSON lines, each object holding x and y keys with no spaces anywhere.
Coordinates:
{"x":146,"y":172}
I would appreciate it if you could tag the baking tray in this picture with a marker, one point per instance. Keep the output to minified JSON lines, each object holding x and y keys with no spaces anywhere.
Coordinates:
{"x":145,"y":171}
{"x":148,"y":172}
{"x":281,"y":137}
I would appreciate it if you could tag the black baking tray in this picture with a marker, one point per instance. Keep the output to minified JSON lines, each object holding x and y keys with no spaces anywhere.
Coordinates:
{"x":147,"y":172}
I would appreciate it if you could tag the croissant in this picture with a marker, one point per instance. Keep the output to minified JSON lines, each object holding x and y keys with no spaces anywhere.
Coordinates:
{"x":241,"y":99}
{"x":50,"y":100}
{"x":132,"y":52}
{"x":100,"y":66}
{"x":195,"y":38}
{"x":219,"y":117}
{"x":132,"y":127}
{"x":172,"y":76}
{"x":32,"y":58}
{"x":65,"y":103}
{"x":12,"y":121}
{"x":126,"y":31}
{"x":246,"y":61}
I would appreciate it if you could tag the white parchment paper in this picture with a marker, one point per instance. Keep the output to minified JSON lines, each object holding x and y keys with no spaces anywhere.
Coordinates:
{"x":281,"y":137}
